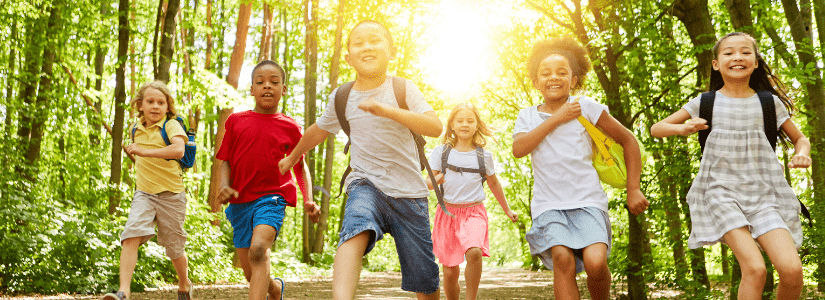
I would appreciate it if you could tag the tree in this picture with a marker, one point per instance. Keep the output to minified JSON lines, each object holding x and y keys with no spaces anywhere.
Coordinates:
{"x":120,"y":103}
{"x":167,"y":41}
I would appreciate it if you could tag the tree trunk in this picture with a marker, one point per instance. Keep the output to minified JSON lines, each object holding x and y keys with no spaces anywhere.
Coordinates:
{"x":100,"y":60}
{"x":266,"y":35}
{"x":120,"y":104}
{"x":167,"y":42}
{"x":799,"y":18}
{"x":310,"y":95}
{"x":9,"y":79}
{"x":695,"y":15}
{"x":34,"y":60}
{"x":329,"y":159}
{"x":235,"y":65}
{"x":208,"y":62}
{"x":740,"y":16}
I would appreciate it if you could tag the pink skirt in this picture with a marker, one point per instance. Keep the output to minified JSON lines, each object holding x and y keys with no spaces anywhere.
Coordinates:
{"x":452,"y":237}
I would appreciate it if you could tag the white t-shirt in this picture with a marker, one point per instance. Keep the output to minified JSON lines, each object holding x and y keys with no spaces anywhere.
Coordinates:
{"x":382,"y":150}
{"x":461,"y":188}
{"x":563,"y":173}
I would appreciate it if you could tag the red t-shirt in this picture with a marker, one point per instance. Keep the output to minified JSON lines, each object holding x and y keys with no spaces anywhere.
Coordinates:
{"x":253,"y":145}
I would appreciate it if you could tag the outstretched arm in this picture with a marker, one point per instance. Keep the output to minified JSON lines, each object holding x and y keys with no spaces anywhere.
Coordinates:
{"x":312,"y":138}
{"x":225,"y":190}
{"x":636,"y":201}
{"x":525,"y":142}
{"x":498,"y":192}
{"x":675,"y":124}
{"x":801,"y":146}
{"x":173,"y":151}
{"x":305,"y":183}
{"x":427,"y":123}
{"x":439,"y":179}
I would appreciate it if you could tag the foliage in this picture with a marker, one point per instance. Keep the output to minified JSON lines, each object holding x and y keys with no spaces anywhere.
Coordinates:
{"x":58,"y":237}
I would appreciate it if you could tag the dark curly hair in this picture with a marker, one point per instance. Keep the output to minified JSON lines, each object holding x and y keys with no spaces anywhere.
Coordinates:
{"x":762,"y":79}
{"x":565,"y":46}
{"x":271,"y":63}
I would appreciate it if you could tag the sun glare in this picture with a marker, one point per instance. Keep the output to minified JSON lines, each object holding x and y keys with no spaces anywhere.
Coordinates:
{"x":459,"y":57}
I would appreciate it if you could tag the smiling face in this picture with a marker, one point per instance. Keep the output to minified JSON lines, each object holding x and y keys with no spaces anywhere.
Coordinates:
{"x":267,"y":88}
{"x":736,"y":58}
{"x":370,"y":51}
{"x":154,"y":106}
{"x":464,"y":125}
{"x":555,"y":78}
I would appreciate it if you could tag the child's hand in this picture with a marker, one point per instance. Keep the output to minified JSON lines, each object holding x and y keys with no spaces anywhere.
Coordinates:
{"x":569,"y":111}
{"x":692,"y":126}
{"x":371,"y":106}
{"x":313,"y":211}
{"x":636,"y":201}
{"x":134,"y":149}
{"x":512,"y":215}
{"x":439,"y":179}
{"x":285,"y":164}
{"x":226,"y":193}
{"x":800,"y":161}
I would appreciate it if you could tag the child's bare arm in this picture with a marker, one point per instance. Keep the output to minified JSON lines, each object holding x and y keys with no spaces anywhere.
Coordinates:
{"x":173,"y":151}
{"x":526,"y":142}
{"x":801,"y":146}
{"x":498,"y":192}
{"x":305,"y":182}
{"x":225,"y":190}
{"x":675,"y":124}
{"x":636,"y":201}
{"x":427,"y":123}
{"x":439,"y":179}
{"x":312,"y":138}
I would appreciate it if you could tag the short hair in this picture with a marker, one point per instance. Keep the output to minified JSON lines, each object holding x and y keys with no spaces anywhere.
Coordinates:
{"x":137,"y":100}
{"x":565,"y":46}
{"x":271,"y":63}
{"x":481,"y":130}
{"x":387,"y":33}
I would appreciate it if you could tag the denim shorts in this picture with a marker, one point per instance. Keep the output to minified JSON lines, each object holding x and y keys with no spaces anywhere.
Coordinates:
{"x":406,"y":219}
{"x":267,"y":210}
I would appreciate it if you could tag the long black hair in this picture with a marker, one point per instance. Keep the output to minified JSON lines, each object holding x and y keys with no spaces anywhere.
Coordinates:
{"x":762,"y":79}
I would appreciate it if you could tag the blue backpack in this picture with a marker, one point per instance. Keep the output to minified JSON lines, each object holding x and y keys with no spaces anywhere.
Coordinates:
{"x":191,"y":148}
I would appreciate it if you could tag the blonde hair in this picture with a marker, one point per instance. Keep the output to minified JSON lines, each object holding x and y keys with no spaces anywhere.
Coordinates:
{"x":482,"y":129}
{"x":137,"y":100}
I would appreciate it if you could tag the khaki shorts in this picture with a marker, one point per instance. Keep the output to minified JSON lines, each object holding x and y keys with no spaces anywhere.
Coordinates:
{"x":168,"y":211}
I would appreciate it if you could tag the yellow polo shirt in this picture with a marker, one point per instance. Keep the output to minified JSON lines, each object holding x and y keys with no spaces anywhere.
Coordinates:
{"x":156,"y":175}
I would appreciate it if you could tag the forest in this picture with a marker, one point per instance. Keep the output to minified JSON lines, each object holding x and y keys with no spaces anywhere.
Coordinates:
{"x":69,"y":69}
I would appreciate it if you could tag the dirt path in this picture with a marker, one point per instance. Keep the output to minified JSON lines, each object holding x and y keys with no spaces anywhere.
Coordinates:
{"x":496,"y":283}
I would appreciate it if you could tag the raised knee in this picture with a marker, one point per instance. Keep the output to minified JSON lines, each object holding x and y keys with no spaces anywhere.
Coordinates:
{"x":258,"y":254}
{"x":564,"y":263}
{"x":597,"y":270}
{"x":755,"y":270}
{"x":473,"y":254}
{"x":791,"y":274}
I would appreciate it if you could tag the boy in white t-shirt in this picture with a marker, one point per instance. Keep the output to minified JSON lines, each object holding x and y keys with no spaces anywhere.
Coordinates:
{"x":386,"y":193}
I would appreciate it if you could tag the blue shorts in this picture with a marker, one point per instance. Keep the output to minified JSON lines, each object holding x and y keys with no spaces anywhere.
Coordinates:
{"x":267,"y":210}
{"x":406,"y":219}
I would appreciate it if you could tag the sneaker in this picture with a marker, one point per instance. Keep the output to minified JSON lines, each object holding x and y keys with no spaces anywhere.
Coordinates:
{"x":187,"y":295}
{"x":114,"y":296}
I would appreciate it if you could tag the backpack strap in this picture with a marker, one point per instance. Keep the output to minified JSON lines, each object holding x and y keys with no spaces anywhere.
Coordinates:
{"x":164,"y":135}
{"x":341,"y":97}
{"x":481,"y":167}
{"x":134,"y":128}
{"x":706,"y":112}
{"x":445,"y":153}
{"x":768,"y":116}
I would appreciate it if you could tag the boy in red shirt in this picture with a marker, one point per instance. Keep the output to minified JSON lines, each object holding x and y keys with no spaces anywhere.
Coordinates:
{"x":254,"y":143}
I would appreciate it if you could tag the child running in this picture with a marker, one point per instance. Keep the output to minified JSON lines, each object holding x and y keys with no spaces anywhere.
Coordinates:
{"x":386,"y":193}
{"x":159,"y":194}
{"x":740,"y":196}
{"x":254,"y":143}
{"x":469,"y":165}
{"x":571,"y":229}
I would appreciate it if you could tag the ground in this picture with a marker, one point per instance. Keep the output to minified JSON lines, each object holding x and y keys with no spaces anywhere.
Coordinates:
{"x":496,"y":283}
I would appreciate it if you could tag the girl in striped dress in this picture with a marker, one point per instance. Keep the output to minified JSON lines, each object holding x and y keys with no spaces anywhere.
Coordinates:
{"x":740,"y":196}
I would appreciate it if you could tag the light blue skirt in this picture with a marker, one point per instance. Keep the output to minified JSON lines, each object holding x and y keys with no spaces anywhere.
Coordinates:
{"x":573,"y":228}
